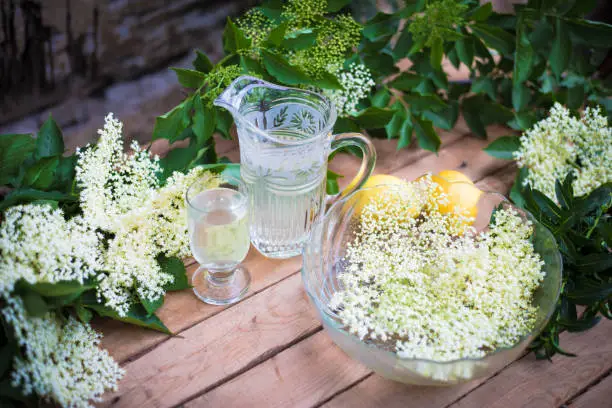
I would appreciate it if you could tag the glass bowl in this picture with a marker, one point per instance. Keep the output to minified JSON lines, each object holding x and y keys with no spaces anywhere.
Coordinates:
{"x":324,"y":260}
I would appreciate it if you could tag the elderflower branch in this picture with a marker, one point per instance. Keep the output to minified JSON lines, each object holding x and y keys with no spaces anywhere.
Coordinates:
{"x":562,"y":144}
{"x":60,"y":360}
{"x":425,"y":291}
{"x":438,"y":22}
{"x":356,"y":84}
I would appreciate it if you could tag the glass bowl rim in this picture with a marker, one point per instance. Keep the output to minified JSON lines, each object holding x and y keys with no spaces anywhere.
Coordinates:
{"x":332,"y":321}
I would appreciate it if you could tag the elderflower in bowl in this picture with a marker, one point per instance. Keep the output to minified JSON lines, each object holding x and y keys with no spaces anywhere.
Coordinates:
{"x":426,"y":295}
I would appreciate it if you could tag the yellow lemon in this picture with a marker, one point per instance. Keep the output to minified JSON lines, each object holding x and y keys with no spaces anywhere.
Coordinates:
{"x":366,"y":196}
{"x":461,"y":193}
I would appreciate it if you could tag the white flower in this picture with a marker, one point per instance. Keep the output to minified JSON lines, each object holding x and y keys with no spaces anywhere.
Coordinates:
{"x":356,"y":84}
{"x":430,"y":294}
{"x":562,"y":144}
{"x":60,"y":360}
{"x":38,"y":245}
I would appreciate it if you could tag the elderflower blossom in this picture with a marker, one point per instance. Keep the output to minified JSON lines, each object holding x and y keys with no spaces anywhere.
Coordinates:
{"x":427,"y":293}
{"x":112,"y":182}
{"x":256,"y":26}
{"x":219,"y":79}
{"x":60,"y":360}
{"x":121,"y":195}
{"x":38,"y":245}
{"x":438,"y":22}
{"x":356,"y":83}
{"x":562,"y":144}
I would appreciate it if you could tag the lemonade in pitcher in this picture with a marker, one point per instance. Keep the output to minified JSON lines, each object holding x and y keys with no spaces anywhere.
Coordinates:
{"x":285,"y":139}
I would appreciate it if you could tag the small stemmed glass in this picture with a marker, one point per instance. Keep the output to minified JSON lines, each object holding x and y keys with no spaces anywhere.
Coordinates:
{"x":219,"y":237}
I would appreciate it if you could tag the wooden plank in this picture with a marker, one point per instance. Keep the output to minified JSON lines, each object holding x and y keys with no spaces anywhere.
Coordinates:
{"x":182,"y":310}
{"x":532,"y":383}
{"x":524,"y":383}
{"x":600,"y":395}
{"x":301,"y":376}
{"x":222,"y":346}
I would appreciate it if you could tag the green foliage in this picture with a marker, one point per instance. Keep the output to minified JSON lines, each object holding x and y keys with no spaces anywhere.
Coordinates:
{"x":582,"y":227}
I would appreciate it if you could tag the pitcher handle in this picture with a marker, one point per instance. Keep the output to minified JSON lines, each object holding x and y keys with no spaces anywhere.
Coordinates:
{"x":367,"y":164}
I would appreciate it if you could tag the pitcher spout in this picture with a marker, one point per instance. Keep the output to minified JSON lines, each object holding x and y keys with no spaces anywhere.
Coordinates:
{"x":232,"y":96}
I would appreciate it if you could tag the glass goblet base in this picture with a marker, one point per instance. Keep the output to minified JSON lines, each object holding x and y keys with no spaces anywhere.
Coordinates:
{"x":221,"y":288}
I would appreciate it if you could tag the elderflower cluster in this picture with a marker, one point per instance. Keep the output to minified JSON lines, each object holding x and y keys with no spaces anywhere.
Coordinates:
{"x":356,"y":84}
{"x":121,"y":195}
{"x":255,"y":26}
{"x":424,"y":292}
{"x":562,"y":144}
{"x":60,"y":360}
{"x":112,"y":182}
{"x":38,"y":245}
{"x":438,"y":22}
{"x":219,"y":79}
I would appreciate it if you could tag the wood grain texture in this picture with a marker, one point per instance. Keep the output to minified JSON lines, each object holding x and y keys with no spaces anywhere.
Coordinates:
{"x":301,"y":376}
{"x":182,"y":310}
{"x":539,"y":384}
{"x":598,"y":396}
{"x":221,"y":346}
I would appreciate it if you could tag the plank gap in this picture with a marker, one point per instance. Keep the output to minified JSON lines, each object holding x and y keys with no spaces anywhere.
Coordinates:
{"x":589,"y":387}
{"x":340,"y":391}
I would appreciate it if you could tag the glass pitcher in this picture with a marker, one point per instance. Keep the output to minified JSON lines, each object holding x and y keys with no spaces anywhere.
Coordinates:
{"x":285,"y":137}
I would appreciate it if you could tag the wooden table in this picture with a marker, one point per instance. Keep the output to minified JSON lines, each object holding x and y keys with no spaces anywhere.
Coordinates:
{"x":270,"y":350}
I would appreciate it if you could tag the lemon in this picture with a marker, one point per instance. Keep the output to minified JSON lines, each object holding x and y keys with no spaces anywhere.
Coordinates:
{"x":366,"y":196}
{"x":461,"y":193}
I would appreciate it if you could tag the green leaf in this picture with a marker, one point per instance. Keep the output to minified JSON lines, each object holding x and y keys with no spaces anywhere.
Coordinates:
{"x":381,"y":25}
{"x":252,"y":66}
{"x":480,"y":13}
{"x":524,"y":56}
{"x":437,"y":52}
{"x":300,"y":42}
{"x":395,"y":124}
{"x":484,"y":85}
{"x":424,"y":103}
{"x":34,"y":304}
{"x":521,"y":95}
{"x":344,"y":125}
{"x":334,"y":6}
{"x":326,"y":81}
{"x":403,"y":44}
{"x":234,"y":39}
{"x":175,"y":267}
{"x":465,"y":51}
{"x":504,"y":147}
{"x":373,"y":117}
{"x":41,"y":174}
{"x":561,"y":49}
{"x":594,"y":263}
{"x":277,"y":35}
{"x":471,"y":114}
{"x":49,"y":141}
{"x":589,"y":292}
{"x":381,"y":98}
{"x":590,"y":33}
{"x":427,"y":137}
{"x":189,"y":78}
{"x":151,"y":306}
{"x":85,"y":315}
{"x":494,"y":37}
{"x":224,"y":122}
{"x":332,"y":186}
{"x":6,"y":358}
{"x":406,"y":81}
{"x":579,"y":325}
{"x":171,"y":124}
{"x":177,"y":159}
{"x":14,"y":149}
{"x":523,"y":120}
{"x":445,"y":118}
{"x":575,"y":97}
{"x":26,"y":195}
{"x":137,"y":315}
{"x":204,"y":122}
{"x":405,"y":134}
{"x":61,"y":288}
{"x":64,"y":174}
{"x":515,"y":192}
{"x":202,"y":62}
{"x":547,"y":207}
{"x":284,"y":72}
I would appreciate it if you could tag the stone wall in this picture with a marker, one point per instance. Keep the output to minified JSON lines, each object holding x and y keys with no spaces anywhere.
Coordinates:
{"x":79,"y":59}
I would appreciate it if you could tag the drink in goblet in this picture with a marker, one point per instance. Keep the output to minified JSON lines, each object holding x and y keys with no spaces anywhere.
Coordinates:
{"x":219,"y":238}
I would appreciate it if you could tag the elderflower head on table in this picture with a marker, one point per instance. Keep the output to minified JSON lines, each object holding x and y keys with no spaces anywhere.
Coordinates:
{"x":60,"y":360}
